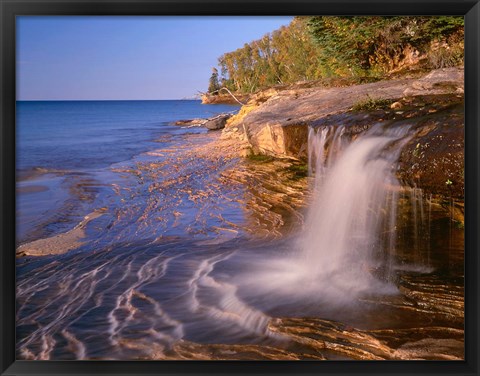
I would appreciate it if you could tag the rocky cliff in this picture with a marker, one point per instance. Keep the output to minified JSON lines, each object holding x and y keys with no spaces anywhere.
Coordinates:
{"x":275,"y":122}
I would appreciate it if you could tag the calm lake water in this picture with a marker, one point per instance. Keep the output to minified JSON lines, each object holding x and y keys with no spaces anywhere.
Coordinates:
{"x":87,"y":135}
{"x":57,"y":140}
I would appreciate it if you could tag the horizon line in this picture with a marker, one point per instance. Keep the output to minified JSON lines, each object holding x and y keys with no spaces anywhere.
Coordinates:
{"x":104,"y":100}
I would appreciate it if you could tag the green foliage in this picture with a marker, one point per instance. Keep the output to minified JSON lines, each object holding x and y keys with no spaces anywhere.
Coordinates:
{"x":261,"y":158}
{"x":370,"y":104}
{"x":299,"y":171}
{"x":284,"y":56}
{"x":447,"y":53}
{"x":373,"y":45}
{"x":356,"y":48}
{"x":445,"y":57}
{"x":214,"y":84}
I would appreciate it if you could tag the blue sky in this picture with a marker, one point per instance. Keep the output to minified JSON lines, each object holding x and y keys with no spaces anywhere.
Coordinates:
{"x":83,"y":58}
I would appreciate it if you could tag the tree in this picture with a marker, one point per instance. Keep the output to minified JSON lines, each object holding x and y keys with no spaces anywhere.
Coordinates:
{"x":284,"y":56}
{"x":357,"y":47}
{"x":214,"y":84}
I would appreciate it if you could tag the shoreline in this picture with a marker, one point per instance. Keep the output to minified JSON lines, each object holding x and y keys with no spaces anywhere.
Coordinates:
{"x":232,"y":143}
{"x":275,"y":190}
{"x":60,"y":243}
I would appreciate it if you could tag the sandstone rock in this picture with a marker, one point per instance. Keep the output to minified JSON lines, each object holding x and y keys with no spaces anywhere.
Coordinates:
{"x":434,"y":159}
{"x":266,"y":124}
{"x":245,"y":152}
{"x":279,"y":126}
{"x":439,"y":81}
{"x":263,"y":96}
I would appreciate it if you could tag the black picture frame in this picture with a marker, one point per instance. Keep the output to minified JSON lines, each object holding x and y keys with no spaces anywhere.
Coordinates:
{"x":11,"y":8}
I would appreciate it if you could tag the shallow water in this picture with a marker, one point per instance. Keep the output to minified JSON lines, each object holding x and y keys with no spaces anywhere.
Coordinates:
{"x":68,"y":147}
{"x":175,"y":264}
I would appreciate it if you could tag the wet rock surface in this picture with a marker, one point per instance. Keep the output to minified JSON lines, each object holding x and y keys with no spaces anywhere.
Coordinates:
{"x":182,"y":188}
{"x":277,"y":195}
{"x":276,"y":123}
{"x":320,"y":339}
{"x":433,"y":160}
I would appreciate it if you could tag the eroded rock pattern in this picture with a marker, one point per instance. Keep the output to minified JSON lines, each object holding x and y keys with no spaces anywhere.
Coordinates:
{"x":277,"y":124}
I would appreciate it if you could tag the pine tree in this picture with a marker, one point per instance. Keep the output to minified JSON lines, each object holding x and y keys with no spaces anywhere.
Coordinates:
{"x":214,"y":85}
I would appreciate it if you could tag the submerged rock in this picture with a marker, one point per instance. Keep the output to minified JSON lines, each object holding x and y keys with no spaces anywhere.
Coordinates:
{"x":190,"y":122}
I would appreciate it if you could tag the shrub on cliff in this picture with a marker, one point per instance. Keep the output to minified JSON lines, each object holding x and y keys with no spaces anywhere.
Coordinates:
{"x":374,"y":45}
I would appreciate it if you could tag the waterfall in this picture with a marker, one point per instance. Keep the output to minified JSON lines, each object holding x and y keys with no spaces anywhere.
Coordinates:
{"x":350,"y":227}
{"x":347,"y":249}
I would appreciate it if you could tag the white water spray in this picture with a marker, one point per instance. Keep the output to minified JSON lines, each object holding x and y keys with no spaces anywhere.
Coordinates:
{"x":348,"y":245}
{"x":355,"y":202}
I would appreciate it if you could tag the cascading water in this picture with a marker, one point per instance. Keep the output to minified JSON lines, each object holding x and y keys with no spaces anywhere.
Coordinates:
{"x":347,"y":247}
{"x":355,"y":198}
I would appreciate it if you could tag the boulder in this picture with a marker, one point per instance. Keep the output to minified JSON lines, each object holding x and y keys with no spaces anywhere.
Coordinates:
{"x":217,"y":122}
